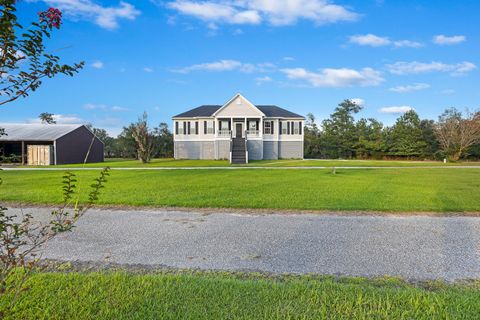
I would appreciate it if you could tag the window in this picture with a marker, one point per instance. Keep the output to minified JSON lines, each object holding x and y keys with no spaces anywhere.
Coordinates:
{"x":196,"y":127}
{"x":252,"y":125}
{"x":296,"y":127}
{"x":181,"y":127}
{"x":189,"y":127}
{"x":284,"y":127}
{"x":268,"y":127}
{"x":224,"y":125}
{"x":176,"y":127}
{"x":210,"y":127}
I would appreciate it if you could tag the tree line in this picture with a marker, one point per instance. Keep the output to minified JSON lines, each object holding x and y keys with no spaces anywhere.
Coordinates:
{"x":138,"y":141}
{"x":454,"y":136}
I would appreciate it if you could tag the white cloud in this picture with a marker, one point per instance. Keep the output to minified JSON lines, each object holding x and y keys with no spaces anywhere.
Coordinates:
{"x":377,"y":41}
{"x":228,"y":65}
{"x":61,"y":119}
{"x":407,"y":44}
{"x":118,"y":109}
{"x":446,"y":40}
{"x":148,"y":70}
{"x":415,"y":67}
{"x":336,"y":77}
{"x":396,"y":109}
{"x":370,"y":40}
{"x":103,"y":16}
{"x":93,"y":106}
{"x":103,"y":107}
{"x":277,"y":13}
{"x":288,"y":59}
{"x":222,"y":65}
{"x":237,"y":32}
{"x":358,"y":101}
{"x":410,"y":88}
{"x":97,"y":64}
{"x":262,"y":80}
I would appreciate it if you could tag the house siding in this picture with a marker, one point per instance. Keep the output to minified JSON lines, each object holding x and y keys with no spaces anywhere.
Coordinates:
{"x":270,"y":150}
{"x":195,"y":150}
{"x":223,"y":149}
{"x":255,"y":149}
{"x":290,"y":149}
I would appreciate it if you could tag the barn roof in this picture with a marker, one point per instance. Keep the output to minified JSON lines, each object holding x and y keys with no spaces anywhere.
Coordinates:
{"x":209,"y":110}
{"x":36,"y":132}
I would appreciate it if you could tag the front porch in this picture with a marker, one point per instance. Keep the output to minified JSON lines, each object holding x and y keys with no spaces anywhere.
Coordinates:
{"x":248,"y":128}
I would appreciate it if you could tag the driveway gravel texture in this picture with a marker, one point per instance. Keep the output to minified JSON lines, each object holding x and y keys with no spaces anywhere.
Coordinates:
{"x":416,"y":248}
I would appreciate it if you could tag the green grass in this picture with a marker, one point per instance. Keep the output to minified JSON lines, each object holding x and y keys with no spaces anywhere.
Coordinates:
{"x":359,"y":163}
{"x":129,"y":163}
{"x":394,"y":190}
{"x":119,"y":295}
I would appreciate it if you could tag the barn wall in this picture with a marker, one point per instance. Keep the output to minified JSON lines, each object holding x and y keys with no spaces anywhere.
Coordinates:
{"x":73,"y":147}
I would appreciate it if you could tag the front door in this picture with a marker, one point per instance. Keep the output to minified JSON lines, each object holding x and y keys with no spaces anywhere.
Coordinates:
{"x":238,"y":130}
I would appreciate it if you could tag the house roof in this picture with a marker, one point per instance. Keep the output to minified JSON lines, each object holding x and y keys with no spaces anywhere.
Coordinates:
{"x":209,"y":110}
{"x":36,"y":132}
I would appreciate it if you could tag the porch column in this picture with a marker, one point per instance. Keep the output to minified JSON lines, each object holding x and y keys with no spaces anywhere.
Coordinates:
{"x":245,"y":128}
{"x":260,"y":129}
{"x":23,"y":153}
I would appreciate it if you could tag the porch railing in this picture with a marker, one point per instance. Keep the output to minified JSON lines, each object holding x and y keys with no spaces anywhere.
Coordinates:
{"x":224,"y":133}
{"x":253,"y":133}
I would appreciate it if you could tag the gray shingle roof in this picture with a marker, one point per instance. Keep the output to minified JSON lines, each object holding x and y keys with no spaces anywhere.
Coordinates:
{"x":202,"y":111}
{"x":277,"y":112}
{"x":36,"y":132}
{"x":209,"y":110}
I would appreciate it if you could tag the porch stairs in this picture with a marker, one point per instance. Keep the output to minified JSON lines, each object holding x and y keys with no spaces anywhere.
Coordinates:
{"x":239,"y":153}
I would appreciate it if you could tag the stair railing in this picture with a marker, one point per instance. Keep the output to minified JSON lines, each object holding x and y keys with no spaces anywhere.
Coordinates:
{"x":246,"y":149}
{"x":231,"y":147}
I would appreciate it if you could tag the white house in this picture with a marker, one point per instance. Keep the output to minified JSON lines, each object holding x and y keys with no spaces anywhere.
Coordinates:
{"x":238,"y":131}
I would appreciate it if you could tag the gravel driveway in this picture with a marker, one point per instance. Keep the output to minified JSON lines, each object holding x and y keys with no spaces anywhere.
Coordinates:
{"x":416,"y":248}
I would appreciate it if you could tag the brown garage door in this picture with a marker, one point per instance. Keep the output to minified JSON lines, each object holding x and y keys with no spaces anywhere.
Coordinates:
{"x":39,"y":155}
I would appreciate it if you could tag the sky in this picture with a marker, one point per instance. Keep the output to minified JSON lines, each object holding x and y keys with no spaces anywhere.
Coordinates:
{"x":165,"y":57}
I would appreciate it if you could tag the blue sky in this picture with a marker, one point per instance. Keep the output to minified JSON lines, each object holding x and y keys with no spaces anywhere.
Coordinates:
{"x":165,"y":57}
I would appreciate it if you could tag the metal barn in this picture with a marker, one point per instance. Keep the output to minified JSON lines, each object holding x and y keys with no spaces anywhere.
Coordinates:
{"x":50,"y":144}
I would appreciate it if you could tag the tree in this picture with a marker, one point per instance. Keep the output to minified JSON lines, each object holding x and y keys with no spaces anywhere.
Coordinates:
{"x":428,"y":133}
{"x":456,"y":133}
{"x":339,"y":132}
{"x":371,"y":142}
{"x":143,"y":138}
{"x":125,"y":145}
{"x":24,"y":61}
{"x":108,"y":142}
{"x":311,"y":138}
{"x":405,"y":138}
{"x":47,"y":118}
{"x":163,"y":141}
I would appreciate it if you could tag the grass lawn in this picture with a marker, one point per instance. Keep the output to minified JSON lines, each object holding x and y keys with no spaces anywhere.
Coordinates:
{"x":121,"y":295}
{"x":394,"y":190}
{"x":126,"y":163}
{"x":358,"y":163}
